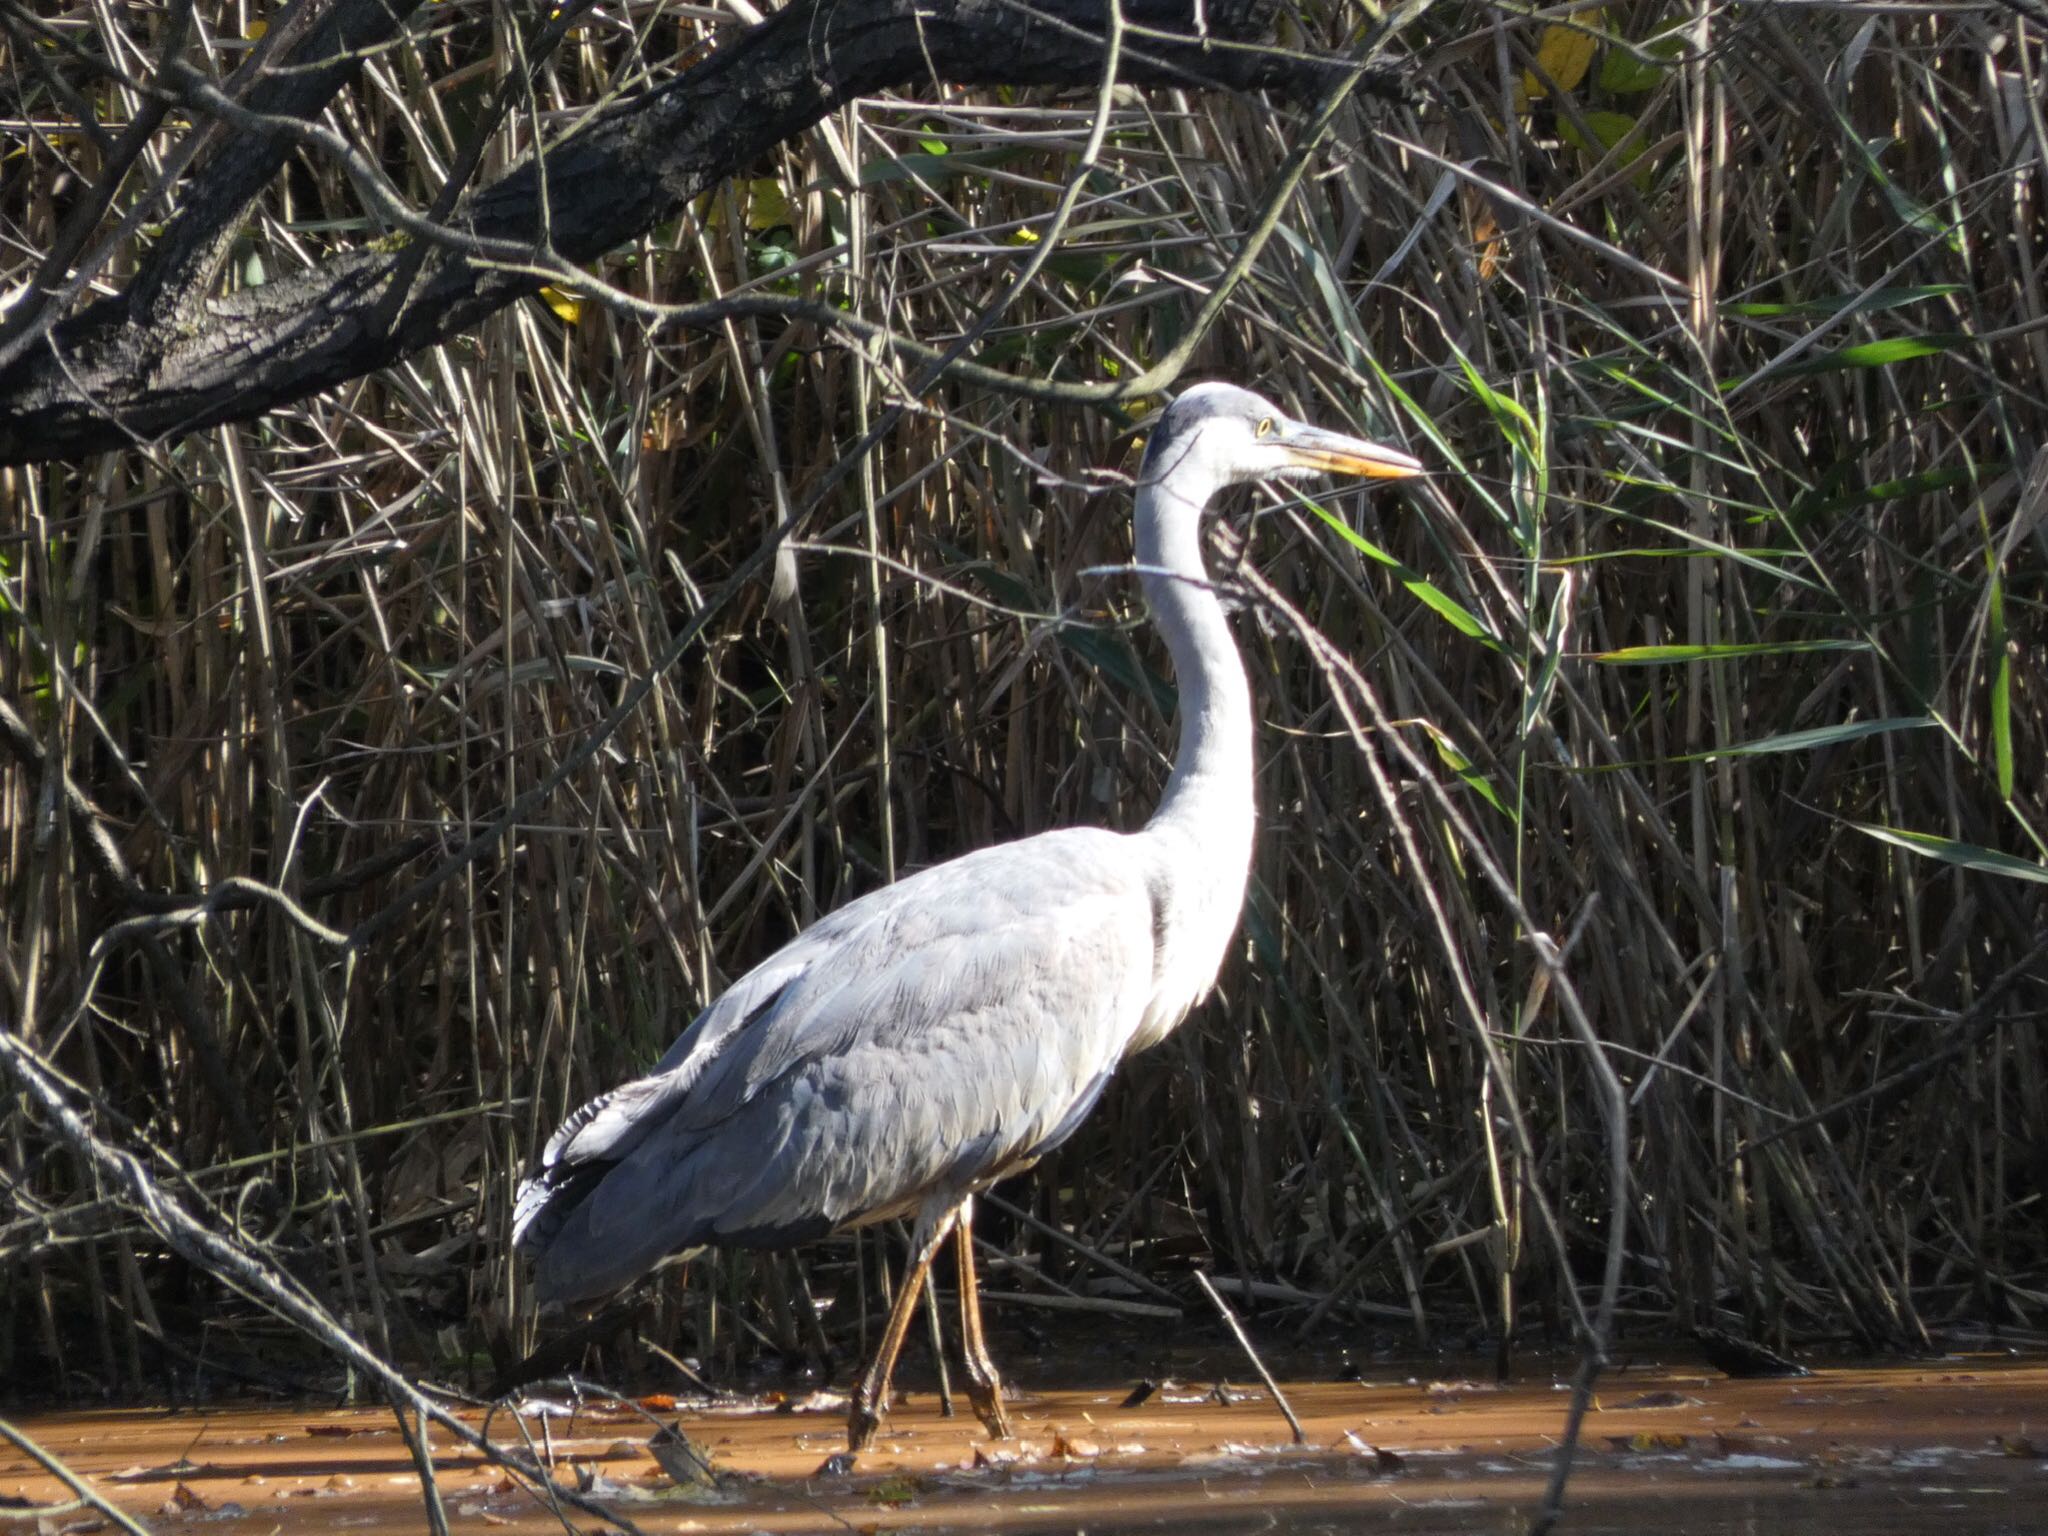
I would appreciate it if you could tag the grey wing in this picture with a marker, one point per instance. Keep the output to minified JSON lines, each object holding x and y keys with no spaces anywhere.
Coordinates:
{"x":921,"y":1040}
{"x":597,"y":1136}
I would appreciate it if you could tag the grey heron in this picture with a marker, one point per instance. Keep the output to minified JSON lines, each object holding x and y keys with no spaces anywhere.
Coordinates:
{"x":948,"y":1030}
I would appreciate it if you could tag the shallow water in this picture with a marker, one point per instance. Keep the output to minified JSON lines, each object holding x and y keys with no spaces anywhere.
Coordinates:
{"x":1958,"y":1447}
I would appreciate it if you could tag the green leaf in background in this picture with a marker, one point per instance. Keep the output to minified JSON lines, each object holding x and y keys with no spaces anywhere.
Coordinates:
{"x":1442,"y":447}
{"x":1431,"y":596}
{"x":1514,"y":420}
{"x":1106,"y":652}
{"x":1338,"y":306}
{"x":1528,"y":481}
{"x":1536,"y":697}
{"x":1905,"y":207}
{"x":768,"y":206}
{"x":1963,"y":855}
{"x":772,"y":256}
{"x":1114,"y":658}
{"x":1818,"y":736}
{"x":1626,"y":73}
{"x":1607,"y":129}
{"x":1877,"y":354}
{"x":1865,"y":354}
{"x":1658,"y":655}
{"x":2001,"y":689}
{"x":1468,"y":775}
{"x":1927,"y":483}
{"x":1758,"y":560}
{"x":1867,"y":303}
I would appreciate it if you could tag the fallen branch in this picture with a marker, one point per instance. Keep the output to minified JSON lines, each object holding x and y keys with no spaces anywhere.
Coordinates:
{"x":232,"y":1263}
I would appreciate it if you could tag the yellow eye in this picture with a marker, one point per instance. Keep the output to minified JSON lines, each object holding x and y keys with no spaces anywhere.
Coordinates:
{"x":1265,"y":427}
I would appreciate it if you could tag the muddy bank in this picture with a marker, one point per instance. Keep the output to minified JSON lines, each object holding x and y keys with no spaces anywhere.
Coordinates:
{"x":1958,"y":1447}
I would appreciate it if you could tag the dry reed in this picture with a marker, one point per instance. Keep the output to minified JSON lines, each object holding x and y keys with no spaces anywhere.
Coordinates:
{"x":1698,"y":693}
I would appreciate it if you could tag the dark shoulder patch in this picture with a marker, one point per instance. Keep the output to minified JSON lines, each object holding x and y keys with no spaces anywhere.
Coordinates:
{"x":1172,"y":430}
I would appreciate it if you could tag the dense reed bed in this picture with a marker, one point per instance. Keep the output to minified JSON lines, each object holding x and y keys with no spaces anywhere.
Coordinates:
{"x":1663,"y":778}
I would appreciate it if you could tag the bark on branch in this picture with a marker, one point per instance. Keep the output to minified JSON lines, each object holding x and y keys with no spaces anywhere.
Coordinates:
{"x":170,"y":355}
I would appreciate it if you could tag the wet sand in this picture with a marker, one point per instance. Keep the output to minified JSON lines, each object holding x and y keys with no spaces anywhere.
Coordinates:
{"x":1958,"y":1447}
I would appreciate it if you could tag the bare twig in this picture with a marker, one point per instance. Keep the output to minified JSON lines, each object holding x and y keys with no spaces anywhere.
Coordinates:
{"x":1244,"y":1342}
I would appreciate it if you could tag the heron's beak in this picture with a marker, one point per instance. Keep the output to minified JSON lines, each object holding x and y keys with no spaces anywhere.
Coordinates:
{"x":1335,"y":454}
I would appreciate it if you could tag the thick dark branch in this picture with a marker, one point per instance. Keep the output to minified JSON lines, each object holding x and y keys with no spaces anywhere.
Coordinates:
{"x":312,"y":51}
{"x":190,"y":251}
{"x":112,"y":373}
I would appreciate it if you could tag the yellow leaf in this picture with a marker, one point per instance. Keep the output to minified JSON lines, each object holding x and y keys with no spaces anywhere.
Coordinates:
{"x":1025,"y":236}
{"x":1608,"y":130}
{"x":1647,"y":1441}
{"x":567,"y":307}
{"x":768,"y":207}
{"x":255,"y":30}
{"x":1564,"y":54}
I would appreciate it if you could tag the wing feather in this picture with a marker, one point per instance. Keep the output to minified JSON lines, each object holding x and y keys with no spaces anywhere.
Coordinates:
{"x":923,"y":1038}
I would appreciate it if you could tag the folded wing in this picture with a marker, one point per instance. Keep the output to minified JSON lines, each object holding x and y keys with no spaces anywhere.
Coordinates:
{"x":927,"y":1038}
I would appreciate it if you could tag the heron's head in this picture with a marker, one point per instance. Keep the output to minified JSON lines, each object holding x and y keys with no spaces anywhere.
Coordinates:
{"x":1218,"y":435}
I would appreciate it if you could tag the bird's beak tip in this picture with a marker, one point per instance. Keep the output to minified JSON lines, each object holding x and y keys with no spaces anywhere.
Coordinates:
{"x":1387,"y":464}
{"x":1371,"y":461}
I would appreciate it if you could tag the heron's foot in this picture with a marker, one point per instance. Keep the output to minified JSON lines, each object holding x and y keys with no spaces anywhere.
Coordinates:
{"x":863,"y":1418}
{"x":991,"y":1413}
{"x":985,"y":1392}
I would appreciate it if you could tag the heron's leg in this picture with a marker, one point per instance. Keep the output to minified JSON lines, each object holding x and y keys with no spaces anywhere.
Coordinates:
{"x":871,"y":1396}
{"x":984,"y":1386}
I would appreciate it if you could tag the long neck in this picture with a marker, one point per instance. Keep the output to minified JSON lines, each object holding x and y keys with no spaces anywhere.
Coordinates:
{"x":1210,"y":792}
{"x":1197,"y":848}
